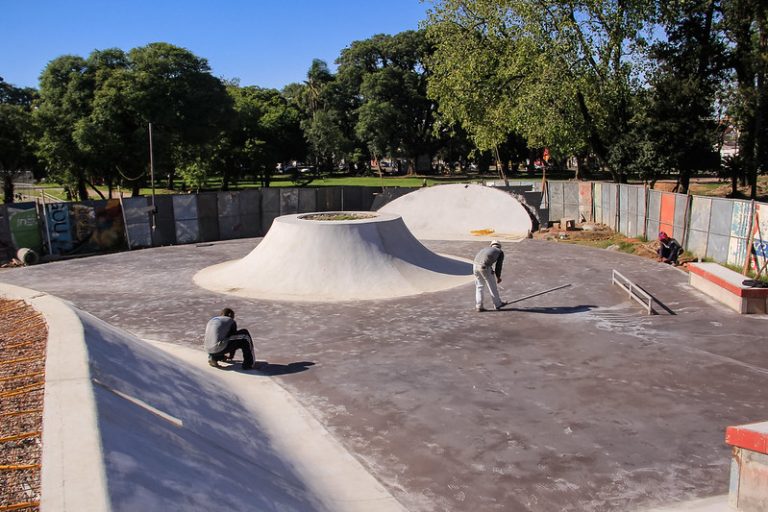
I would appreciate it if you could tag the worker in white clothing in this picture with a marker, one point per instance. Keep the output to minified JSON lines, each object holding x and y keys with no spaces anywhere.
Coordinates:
{"x":487,"y":269}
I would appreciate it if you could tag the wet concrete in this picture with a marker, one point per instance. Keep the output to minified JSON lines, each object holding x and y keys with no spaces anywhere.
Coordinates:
{"x":573,"y":400}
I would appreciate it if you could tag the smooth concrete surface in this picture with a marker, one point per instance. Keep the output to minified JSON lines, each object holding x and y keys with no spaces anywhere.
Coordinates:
{"x":135,"y":426}
{"x":570,"y":401}
{"x":462,"y":212}
{"x":301,"y":259}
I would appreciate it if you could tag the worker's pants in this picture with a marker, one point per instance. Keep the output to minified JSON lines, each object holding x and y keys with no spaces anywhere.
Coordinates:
{"x":484,"y":277}
{"x":241,"y":340}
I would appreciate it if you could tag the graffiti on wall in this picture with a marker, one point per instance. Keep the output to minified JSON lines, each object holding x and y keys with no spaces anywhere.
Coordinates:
{"x":24,"y":226}
{"x":82,"y":228}
{"x":760,"y":235}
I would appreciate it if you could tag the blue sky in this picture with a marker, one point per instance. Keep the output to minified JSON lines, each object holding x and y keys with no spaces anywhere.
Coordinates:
{"x":264,"y":43}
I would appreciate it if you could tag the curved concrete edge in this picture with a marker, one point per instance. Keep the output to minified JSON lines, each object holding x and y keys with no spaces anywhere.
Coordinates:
{"x":462,"y":212}
{"x":74,"y":473}
{"x":304,"y":260}
{"x":337,"y":479}
{"x":73,"y":476}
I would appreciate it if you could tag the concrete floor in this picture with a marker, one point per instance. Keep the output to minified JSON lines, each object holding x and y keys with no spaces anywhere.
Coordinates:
{"x":570,"y":401}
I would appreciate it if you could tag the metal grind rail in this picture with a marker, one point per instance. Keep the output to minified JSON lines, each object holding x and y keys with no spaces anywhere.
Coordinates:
{"x":635,"y":292}
{"x":23,"y":338}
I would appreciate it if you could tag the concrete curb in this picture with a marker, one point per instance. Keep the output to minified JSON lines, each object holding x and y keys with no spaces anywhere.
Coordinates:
{"x":73,"y":475}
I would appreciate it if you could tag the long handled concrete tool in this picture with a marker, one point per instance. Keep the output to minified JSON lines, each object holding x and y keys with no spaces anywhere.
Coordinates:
{"x":540,"y":293}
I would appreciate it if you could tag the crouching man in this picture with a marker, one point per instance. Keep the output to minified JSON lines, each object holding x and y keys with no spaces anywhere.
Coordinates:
{"x":222,"y":339}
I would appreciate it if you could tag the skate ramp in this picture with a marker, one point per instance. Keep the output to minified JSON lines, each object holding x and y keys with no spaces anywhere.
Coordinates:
{"x":303,"y":259}
{"x":462,"y":212}
{"x":135,"y":425}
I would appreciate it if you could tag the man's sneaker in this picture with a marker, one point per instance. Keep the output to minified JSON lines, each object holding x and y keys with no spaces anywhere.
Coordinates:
{"x":213,"y":362}
{"x":247,"y":366}
{"x":501,"y":305}
{"x":480,"y":309}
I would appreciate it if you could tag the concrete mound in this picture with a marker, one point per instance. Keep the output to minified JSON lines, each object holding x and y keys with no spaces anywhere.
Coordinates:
{"x":462,"y":212}
{"x":306,"y":258}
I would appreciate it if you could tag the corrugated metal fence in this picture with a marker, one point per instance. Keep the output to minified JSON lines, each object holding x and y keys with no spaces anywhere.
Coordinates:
{"x":117,"y":224}
{"x":707,"y":227}
{"x":713,"y":228}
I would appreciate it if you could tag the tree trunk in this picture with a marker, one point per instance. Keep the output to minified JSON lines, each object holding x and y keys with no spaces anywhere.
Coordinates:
{"x":582,"y":169}
{"x":90,"y":184}
{"x":171,"y":177}
{"x":225,"y":179}
{"x":685,"y":181}
{"x":593,"y":138}
{"x":82,"y":189}
{"x":7,"y":188}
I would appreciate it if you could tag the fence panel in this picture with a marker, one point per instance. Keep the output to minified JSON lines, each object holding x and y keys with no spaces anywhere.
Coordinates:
{"x":6,"y":243}
{"x":328,"y":199}
{"x":58,"y":222}
{"x":289,"y":201}
{"x":571,"y":200}
{"x":137,"y":221}
{"x":653,"y":213}
{"x":270,"y":208}
{"x":585,"y":201}
{"x":208,"y":216}
{"x":597,"y":201}
{"x":698,"y":232}
{"x":24,"y":225}
{"x":631,"y":210}
{"x":760,"y":231}
{"x":351,"y":199}
{"x":307,"y":200}
{"x":610,"y":206}
{"x":165,"y":224}
{"x":185,"y":214}
{"x":556,"y":200}
{"x":667,"y":214}
{"x":737,"y":245}
{"x":228,"y":204}
{"x":250,"y":212}
{"x":719,"y":230}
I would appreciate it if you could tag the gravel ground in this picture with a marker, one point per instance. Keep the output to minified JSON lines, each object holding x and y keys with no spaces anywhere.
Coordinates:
{"x":23,"y":337}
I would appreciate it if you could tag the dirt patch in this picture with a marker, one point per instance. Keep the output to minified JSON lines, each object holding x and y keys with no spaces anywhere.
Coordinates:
{"x":603,"y":237}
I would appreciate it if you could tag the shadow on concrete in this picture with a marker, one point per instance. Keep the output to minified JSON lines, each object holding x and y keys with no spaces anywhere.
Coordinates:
{"x":555,"y":310}
{"x":266,"y":368}
{"x":271,"y":369}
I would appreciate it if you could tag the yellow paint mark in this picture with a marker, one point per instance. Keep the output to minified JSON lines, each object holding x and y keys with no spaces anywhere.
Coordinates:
{"x":482,"y":232}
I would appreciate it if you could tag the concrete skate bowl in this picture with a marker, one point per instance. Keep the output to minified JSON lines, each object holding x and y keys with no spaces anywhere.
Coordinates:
{"x":462,"y":212}
{"x":336,"y":256}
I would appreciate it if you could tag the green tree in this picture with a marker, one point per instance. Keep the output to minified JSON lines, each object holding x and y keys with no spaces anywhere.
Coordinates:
{"x":66,"y":94}
{"x":112,"y":136}
{"x":188,"y":107}
{"x":385,"y":78}
{"x":746,"y":28}
{"x":559,"y":73}
{"x":680,"y":124}
{"x":16,"y":135}
{"x":266,"y":131}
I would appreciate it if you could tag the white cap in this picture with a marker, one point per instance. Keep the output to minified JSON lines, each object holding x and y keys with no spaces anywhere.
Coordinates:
{"x":496,"y":243}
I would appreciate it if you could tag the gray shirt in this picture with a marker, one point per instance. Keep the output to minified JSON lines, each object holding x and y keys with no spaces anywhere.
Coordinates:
{"x":217,"y":331}
{"x":488,"y":256}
